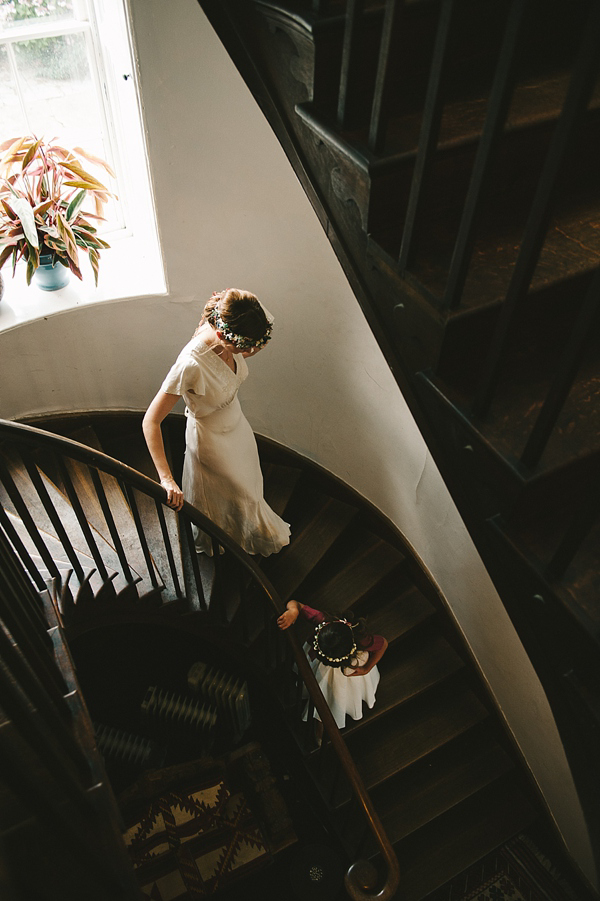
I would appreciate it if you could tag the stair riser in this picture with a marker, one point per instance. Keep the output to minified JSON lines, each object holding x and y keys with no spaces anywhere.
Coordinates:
{"x":509,"y":487}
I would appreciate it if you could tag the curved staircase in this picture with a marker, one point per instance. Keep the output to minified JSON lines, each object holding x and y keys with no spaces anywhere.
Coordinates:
{"x":442,"y":777}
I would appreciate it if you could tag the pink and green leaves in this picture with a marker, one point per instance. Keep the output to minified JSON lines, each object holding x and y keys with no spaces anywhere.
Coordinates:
{"x":43,"y":188}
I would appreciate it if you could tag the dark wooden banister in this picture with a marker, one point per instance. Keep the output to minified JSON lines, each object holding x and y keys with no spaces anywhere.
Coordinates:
{"x":361,"y":877}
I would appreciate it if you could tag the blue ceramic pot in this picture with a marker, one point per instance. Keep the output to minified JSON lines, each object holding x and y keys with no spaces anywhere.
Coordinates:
{"x":49,"y":277}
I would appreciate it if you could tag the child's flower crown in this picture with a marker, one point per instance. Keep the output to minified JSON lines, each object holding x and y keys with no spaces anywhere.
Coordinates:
{"x":325,"y":657}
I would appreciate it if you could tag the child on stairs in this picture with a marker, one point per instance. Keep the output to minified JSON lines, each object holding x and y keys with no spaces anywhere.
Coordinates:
{"x":343,"y":658}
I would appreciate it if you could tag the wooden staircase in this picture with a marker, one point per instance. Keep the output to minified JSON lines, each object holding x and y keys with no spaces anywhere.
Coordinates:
{"x":449,"y":149}
{"x":442,"y":776}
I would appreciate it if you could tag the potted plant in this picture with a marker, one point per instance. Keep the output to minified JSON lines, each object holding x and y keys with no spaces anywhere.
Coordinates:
{"x":43,"y":188}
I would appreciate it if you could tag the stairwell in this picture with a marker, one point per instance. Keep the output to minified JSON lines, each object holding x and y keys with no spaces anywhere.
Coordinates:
{"x":449,"y":150}
{"x":442,"y":776}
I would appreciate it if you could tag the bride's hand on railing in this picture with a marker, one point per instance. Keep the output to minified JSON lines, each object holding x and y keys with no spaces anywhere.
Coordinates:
{"x":174,"y":493}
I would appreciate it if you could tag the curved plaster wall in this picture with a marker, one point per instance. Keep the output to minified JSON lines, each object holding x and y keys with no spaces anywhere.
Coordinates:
{"x":230,"y":212}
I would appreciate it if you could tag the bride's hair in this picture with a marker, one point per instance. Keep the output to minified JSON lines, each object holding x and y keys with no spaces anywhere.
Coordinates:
{"x":240,"y":311}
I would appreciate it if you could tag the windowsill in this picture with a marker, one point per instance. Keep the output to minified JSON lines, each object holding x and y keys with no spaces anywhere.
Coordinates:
{"x":131,"y":267}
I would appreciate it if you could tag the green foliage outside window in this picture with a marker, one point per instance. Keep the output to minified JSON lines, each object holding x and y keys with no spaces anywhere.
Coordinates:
{"x":62,"y":57}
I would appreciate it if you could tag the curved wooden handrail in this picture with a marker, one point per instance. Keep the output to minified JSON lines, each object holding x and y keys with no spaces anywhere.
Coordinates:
{"x":361,"y":876}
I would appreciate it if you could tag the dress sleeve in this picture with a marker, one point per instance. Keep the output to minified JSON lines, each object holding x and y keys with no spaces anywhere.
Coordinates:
{"x":375,"y":644}
{"x":185,"y":375}
{"x":312,"y":615}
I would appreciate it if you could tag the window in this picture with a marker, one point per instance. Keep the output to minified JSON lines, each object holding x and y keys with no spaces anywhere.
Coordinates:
{"x":67,"y":72}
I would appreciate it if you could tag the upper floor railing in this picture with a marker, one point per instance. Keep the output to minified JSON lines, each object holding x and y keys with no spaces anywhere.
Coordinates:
{"x":70,"y":511}
{"x":429,"y":71}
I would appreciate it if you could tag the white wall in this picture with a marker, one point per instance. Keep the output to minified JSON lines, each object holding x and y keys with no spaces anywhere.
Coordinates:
{"x":231,"y":213}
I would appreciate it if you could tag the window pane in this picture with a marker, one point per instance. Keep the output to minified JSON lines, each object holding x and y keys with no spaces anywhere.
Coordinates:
{"x":60,"y":97}
{"x":22,"y":12}
{"x":11,"y":114}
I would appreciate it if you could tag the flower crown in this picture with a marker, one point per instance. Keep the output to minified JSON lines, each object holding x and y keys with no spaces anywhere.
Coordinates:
{"x":241,"y":341}
{"x":325,"y":656}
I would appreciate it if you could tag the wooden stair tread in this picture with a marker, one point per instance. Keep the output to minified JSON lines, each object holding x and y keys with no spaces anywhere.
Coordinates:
{"x":432,"y":787}
{"x":396,"y":741}
{"x":279,"y":484}
{"x":575,"y":438}
{"x":288,"y":569}
{"x":152,"y":529}
{"x":571,"y":249}
{"x":362,"y":573}
{"x":536,"y":101}
{"x":410,"y":672}
{"x":128,"y":446}
{"x":400,"y":615}
{"x":447,"y":846}
{"x":62,"y":561}
{"x":118,"y":504}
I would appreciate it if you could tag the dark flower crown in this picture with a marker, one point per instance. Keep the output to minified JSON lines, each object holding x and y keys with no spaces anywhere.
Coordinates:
{"x":241,"y":341}
{"x":325,"y":656}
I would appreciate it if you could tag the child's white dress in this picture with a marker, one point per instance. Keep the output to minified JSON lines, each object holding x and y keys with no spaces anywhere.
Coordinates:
{"x":344,"y":694}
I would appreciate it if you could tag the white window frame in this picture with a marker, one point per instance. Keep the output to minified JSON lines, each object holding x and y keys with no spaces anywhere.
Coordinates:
{"x":134,"y":237}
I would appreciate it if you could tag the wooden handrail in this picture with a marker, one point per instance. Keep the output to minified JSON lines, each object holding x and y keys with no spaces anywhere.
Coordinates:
{"x":361,"y":877}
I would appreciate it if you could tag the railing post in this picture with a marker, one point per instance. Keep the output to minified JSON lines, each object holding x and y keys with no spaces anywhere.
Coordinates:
{"x":350,"y":60}
{"x":430,"y":129}
{"x":498,"y":104}
{"x":575,"y":107}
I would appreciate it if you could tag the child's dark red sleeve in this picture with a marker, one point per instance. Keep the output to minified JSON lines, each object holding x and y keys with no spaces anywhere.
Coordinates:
{"x":313,"y":616}
{"x":375,"y":644}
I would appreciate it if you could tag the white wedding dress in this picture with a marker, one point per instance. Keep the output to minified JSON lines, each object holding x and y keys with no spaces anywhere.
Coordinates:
{"x":221,"y":472}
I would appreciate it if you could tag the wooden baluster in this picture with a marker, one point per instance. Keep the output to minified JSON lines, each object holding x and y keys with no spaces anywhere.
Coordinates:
{"x":110,"y":522}
{"x":266,"y":632}
{"x":168,"y":548}
{"x":24,"y":620}
{"x":498,"y":105}
{"x":84,"y":525}
{"x":24,"y":514}
{"x":50,"y":744}
{"x":17,"y":584}
{"x":430,"y":129}
{"x":350,"y":60}
{"x":130,"y":495}
{"x":45,"y":697}
{"x":12,"y":535}
{"x":565,"y":371}
{"x":39,"y":786}
{"x":42,"y":493}
{"x":574,"y":109}
{"x":334,"y":783}
{"x":578,"y":530}
{"x":189,"y":546}
{"x":308,"y":727}
{"x":379,"y":109}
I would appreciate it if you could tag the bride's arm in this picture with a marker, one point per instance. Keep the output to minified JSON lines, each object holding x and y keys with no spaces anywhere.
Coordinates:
{"x":151,"y":426}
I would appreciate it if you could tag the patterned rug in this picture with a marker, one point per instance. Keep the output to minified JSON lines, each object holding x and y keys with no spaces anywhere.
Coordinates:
{"x":518,"y":871}
{"x":193,"y":840}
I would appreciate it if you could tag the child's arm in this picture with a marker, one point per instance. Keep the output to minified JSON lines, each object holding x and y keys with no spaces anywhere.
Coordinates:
{"x":290,"y":616}
{"x":374,"y":658}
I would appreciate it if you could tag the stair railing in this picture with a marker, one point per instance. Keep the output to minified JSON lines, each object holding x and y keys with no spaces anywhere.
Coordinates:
{"x":95,"y":483}
{"x":582,"y":84}
{"x":50,"y":779}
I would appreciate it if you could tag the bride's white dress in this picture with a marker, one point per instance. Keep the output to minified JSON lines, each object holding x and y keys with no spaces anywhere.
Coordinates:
{"x":221,"y":470}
